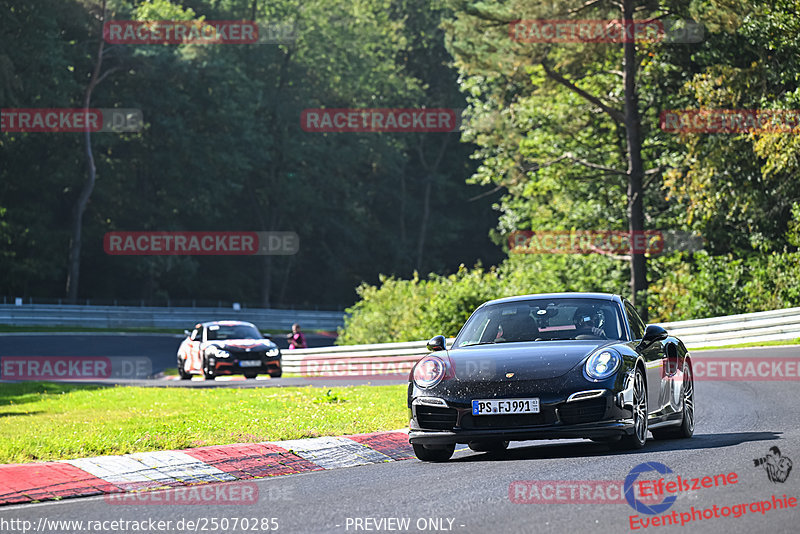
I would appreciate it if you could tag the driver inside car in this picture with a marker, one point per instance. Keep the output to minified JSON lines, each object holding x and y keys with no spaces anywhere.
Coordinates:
{"x":588,"y":323}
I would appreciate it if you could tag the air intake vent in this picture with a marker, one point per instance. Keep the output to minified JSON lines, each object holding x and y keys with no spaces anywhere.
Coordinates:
{"x":436,"y":418}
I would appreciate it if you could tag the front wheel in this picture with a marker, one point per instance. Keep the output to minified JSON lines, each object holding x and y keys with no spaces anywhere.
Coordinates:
{"x":686,"y":428}
{"x":440,"y":454}
{"x":250,"y":375}
{"x":209,"y":372}
{"x":182,"y":370}
{"x":639,"y":436}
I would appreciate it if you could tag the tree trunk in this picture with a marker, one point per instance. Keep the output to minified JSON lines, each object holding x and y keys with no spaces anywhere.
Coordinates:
{"x":266,"y":280}
{"x":73,"y":276}
{"x":430,"y":171}
{"x":635,"y":166}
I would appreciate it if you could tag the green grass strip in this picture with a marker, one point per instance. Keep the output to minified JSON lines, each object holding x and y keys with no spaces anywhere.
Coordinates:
{"x":48,"y":421}
{"x":753,"y":344}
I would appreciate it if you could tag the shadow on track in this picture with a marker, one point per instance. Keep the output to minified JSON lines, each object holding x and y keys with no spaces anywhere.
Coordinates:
{"x":588,"y":448}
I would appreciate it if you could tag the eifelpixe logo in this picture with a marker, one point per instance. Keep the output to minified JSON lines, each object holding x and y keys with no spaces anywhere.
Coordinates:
{"x":730,"y":121}
{"x":654,"y":514}
{"x":777,"y":466}
{"x":606,"y":31}
{"x":726,"y":368}
{"x":380,"y":120}
{"x":201,"y":243}
{"x":74,"y":367}
{"x":602,"y":242}
{"x":225,"y":494}
{"x":115,"y":120}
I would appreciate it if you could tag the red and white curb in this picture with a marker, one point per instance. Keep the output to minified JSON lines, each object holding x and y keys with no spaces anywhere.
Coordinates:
{"x":20,"y":483}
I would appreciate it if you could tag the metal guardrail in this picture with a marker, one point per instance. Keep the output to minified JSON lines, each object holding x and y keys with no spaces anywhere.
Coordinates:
{"x":775,"y":325}
{"x":153,"y":317}
{"x":392,"y":358}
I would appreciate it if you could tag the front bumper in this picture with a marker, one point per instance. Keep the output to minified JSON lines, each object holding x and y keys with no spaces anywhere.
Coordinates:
{"x":232,"y":366}
{"x":598,"y":417}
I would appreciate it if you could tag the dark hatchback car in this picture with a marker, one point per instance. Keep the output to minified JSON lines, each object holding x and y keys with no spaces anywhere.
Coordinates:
{"x":564,"y":365}
{"x":227,"y":348}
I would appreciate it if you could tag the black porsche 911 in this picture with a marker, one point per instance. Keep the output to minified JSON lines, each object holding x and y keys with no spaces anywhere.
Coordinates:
{"x":564,"y":365}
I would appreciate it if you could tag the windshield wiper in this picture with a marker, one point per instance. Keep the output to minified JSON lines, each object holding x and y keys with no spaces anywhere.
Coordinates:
{"x":480,"y":343}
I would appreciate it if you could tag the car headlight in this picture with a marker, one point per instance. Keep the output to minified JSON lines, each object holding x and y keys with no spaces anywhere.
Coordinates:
{"x":274,"y":351}
{"x":602,"y":364}
{"x":222,"y":353}
{"x":429,"y":371}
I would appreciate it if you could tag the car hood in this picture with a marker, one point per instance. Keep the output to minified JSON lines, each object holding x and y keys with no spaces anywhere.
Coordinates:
{"x":535,"y":360}
{"x":242,"y":345}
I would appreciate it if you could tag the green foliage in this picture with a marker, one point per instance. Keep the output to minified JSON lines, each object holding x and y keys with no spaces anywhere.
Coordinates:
{"x":415,"y":309}
{"x":710,"y":286}
{"x":222,"y":149}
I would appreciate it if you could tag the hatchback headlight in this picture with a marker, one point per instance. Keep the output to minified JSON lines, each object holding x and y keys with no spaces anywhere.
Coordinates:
{"x":274,"y":351}
{"x":222,"y":353}
{"x":429,"y":371}
{"x":602,"y":364}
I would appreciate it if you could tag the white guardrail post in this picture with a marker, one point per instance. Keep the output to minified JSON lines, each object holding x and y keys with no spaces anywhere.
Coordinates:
{"x":393,"y":358}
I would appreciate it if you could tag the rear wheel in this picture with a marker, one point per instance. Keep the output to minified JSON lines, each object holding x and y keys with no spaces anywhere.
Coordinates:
{"x":488,"y":446}
{"x":439,"y":454}
{"x":639,"y":436}
{"x":686,"y":428}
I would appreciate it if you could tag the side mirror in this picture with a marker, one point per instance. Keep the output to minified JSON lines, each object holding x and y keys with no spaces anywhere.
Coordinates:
{"x":187,"y":333}
{"x":653,"y":333}
{"x":267,"y":336}
{"x":436,"y":343}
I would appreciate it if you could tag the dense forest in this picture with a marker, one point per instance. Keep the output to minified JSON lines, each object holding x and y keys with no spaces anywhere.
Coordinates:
{"x":555,"y":135}
{"x":222,"y":148}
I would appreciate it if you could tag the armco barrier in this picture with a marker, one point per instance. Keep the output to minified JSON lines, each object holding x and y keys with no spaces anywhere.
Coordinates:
{"x":153,"y":317}
{"x":775,"y":325}
{"x":395,"y":357}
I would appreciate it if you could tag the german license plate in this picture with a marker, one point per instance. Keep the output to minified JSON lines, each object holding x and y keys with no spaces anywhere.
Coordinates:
{"x":250,"y":363}
{"x":504,"y":406}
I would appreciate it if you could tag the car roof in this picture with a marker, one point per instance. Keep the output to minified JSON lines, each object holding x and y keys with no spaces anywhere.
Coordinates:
{"x":225,"y":323}
{"x":594,"y":296}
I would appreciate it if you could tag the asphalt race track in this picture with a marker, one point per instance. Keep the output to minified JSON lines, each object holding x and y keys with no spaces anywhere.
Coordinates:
{"x":157,"y":351}
{"x":737,"y":422}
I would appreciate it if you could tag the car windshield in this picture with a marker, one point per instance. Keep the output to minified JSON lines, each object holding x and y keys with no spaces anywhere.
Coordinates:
{"x":238,"y":331}
{"x":542,"y":320}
